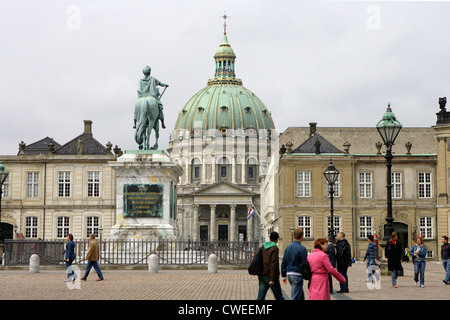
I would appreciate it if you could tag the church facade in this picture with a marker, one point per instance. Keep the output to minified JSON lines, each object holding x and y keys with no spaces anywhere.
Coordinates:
{"x":222,"y":139}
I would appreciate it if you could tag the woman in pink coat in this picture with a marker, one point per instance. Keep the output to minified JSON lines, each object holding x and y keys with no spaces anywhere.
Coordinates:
{"x":319,"y":287}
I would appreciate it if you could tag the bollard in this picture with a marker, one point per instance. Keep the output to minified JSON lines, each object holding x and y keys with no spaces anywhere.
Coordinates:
{"x":153,"y":263}
{"x":34,"y":263}
{"x":212,"y":263}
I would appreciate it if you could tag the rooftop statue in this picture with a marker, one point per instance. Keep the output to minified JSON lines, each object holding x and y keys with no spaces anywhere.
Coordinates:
{"x":148,"y":110}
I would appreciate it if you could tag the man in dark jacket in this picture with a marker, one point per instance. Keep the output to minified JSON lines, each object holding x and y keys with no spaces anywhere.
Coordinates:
{"x":270,"y":277}
{"x":343,"y":259}
{"x":294,"y":255}
{"x":393,"y":255}
{"x":331,"y":252}
{"x":445,"y":256}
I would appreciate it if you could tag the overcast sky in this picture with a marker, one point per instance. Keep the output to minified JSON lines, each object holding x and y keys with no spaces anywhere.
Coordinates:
{"x":337,"y":63}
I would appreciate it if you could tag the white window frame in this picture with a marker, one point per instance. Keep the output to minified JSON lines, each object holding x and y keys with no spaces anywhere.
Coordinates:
{"x":93,"y":184}
{"x":396,"y":179}
{"x":426,"y":227}
{"x":424,"y":185}
{"x":32,"y":189}
{"x":5,"y":188}
{"x":365,"y":225}
{"x":305,"y":222}
{"x":62,"y":226}
{"x":93,"y":226}
{"x":337,"y":224}
{"x":303,"y":184}
{"x":64,"y":183}
{"x":31,"y":227}
{"x":365,"y":184}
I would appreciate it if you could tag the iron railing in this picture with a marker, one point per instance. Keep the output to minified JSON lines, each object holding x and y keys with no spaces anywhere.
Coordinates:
{"x":134,"y":252}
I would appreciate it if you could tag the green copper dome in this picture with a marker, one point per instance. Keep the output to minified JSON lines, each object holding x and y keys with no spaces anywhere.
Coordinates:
{"x":224,"y":103}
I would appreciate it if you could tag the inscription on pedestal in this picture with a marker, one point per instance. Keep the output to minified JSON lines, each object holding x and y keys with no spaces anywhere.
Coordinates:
{"x":143,"y":201}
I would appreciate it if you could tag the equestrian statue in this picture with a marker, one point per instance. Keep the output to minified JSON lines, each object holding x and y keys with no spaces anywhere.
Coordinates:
{"x":148,"y":110}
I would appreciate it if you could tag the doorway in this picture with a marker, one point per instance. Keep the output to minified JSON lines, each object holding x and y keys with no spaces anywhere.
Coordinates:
{"x":223,"y":232}
{"x":402,"y":230}
{"x":7,"y":231}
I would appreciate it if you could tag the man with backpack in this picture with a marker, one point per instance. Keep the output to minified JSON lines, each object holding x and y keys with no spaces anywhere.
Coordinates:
{"x":294,"y":255}
{"x":343,"y":259}
{"x":270,"y":276}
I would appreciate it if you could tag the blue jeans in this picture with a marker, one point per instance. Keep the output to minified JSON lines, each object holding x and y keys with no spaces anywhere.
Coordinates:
{"x":96,"y":267}
{"x":264,"y":287}
{"x":394,"y":275}
{"x":69,"y":271}
{"x":446,"y":264}
{"x":343,"y":272}
{"x":296,"y":282}
{"x":419,"y":268}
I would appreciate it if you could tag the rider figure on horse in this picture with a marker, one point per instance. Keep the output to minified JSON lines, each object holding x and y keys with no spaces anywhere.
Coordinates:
{"x":148,"y":87}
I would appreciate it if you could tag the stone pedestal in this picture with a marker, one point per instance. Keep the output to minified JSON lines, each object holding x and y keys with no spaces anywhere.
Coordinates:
{"x":145,"y":195}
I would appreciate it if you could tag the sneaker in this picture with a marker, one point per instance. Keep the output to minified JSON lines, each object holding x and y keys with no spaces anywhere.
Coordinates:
{"x":395,"y":286}
{"x":421,"y":286}
{"x":445,"y":281}
{"x":415,"y":283}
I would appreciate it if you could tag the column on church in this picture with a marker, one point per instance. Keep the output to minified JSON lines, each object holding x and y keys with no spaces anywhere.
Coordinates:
{"x":195,"y":227}
{"x":250,"y":225}
{"x":213,"y":224}
{"x":233,"y":222}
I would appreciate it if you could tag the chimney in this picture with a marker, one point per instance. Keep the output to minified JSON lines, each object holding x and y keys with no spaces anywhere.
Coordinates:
{"x":312,"y":128}
{"x":88,"y":127}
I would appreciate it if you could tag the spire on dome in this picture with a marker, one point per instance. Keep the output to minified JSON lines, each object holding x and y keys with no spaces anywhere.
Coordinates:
{"x":225,"y":60}
{"x":224,"y":17}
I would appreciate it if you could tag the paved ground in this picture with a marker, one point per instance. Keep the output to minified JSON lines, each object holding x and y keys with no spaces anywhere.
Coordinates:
{"x":201,"y":285}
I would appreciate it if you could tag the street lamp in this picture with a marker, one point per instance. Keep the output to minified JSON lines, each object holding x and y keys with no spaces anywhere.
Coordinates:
{"x":388,"y":128}
{"x":292,"y":233}
{"x":332,"y":175}
{"x":3,"y":175}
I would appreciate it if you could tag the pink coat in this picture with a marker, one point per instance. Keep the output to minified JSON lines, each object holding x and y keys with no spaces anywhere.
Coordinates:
{"x":319,"y":287}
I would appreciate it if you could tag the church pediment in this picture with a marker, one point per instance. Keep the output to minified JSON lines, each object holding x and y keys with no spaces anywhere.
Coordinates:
{"x":222,"y":188}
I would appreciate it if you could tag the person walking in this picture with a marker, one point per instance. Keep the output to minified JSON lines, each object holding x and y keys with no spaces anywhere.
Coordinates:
{"x":343,"y":259}
{"x":370,"y":257}
{"x":393,"y":255}
{"x":294,"y":255}
{"x":419,"y":254}
{"x":445,"y":256}
{"x":92,"y":257}
{"x":70,"y":257}
{"x":270,"y":277}
{"x":331,"y":252}
{"x":320,"y":265}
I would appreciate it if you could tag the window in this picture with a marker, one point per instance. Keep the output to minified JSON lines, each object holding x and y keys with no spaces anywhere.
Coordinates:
{"x":250,"y":172}
{"x":426,"y":227}
{"x":93,"y":184}
{"x":223,"y":168}
{"x":424,"y":185}
{"x":32,"y":184}
{"x":303,"y":184}
{"x":5,"y":188}
{"x":64,"y":184}
{"x":62,"y":229}
{"x":396,"y":179}
{"x":336,"y":188}
{"x":31,"y":227}
{"x":365,"y":184}
{"x":365,"y":226}
{"x":92,"y":226}
{"x":304,"y":222}
{"x":336,"y":224}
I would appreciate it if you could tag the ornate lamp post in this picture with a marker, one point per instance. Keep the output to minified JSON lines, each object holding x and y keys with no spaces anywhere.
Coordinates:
{"x":331,"y":174}
{"x":388,"y":128}
{"x":3,"y":175}
{"x":292,"y":233}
